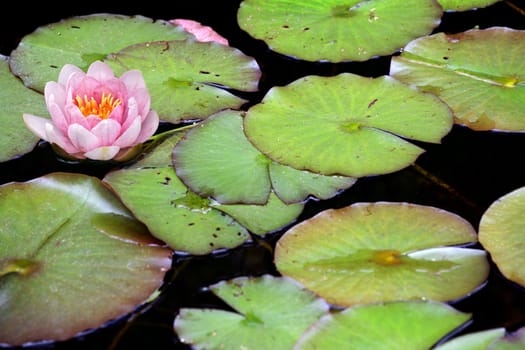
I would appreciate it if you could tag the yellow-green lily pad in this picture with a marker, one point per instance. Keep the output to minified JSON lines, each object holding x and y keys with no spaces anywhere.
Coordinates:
{"x":72,"y":258}
{"x":270,"y":313}
{"x":80,"y":41}
{"x":346,"y":125}
{"x":476,"y":73}
{"x":180,"y":217}
{"x":16,"y":137}
{"x":502,"y":234}
{"x":188,"y":79}
{"x":464,"y":5}
{"x":337,"y":30}
{"x":383,"y":251}
{"x":473,"y":341}
{"x":215,"y":159}
{"x":395,"y":325}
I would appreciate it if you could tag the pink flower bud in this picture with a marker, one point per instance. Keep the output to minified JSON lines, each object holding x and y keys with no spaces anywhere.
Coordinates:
{"x":201,"y":32}
{"x":96,"y":115}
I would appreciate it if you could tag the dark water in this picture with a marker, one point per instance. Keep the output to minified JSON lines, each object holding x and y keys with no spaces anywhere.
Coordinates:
{"x":464,"y":174}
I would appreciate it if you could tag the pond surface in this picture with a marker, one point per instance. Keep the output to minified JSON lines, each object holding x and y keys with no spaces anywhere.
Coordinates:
{"x":464,"y":174}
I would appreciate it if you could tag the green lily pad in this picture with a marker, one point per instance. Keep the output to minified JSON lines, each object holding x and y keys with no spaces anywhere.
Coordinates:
{"x":337,"y":30}
{"x":396,"y":325}
{"x":292,"y":185}
{"x":183,"y":219}
{"x":475,"y":72}
{"x":346,"y":125}
{"x":82,"y":40}
{"x":473,"y":341}
{"x":179,"y":217}
{"x":272,"y":312}
{"x":71,"y":258}
{"x":464,"y":5}
{"x":16,"y":137}
{"x":374,"y":252}
{"x":187,"y":79}
{"x":512,"y":341}
{"x":174,"y":214}
{"x":216,"y":160}
{"x":501,"y":234}
{"x":262,"y":219}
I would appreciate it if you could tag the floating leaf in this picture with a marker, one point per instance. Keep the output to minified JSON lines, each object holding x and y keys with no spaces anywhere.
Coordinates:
{"x":372,"y":252}
{"x":216,"y":160}
{"x":262,"y":219}
{"x":276,"y":307}
{"x":82,"y":40}
{"x":396,"y":325}
{"x":475,"y":72}
{"x":187,"y":79}
{"x":473,"y":341}
{"x":292,"y":185}
{"x":501,"y":234}
{"x":16,"y":137}
{"x":464,"y":5}
{"x":71,"y":258}
{"x":512,"y":341}
{"x":183,"y":219}
{"x":337,"y":30}
{"x":179,"y":217}
{"x":346,"y":125}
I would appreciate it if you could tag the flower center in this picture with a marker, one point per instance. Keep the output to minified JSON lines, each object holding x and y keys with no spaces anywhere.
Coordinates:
{"x":102,"y":108}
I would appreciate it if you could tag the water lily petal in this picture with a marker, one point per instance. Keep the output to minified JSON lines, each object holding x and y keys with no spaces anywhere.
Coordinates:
{"x":36,"y":124}
{"x":143,"y":102}
{"x":67,"y":71}
{"x":95,"y":114}
{"x":100,"y":71}
{"x":103,"y":153}
{"x":129,"y":136}
{"x":201,"y":32}
{"x":149,"y":126}
{"x":75,"y":116}
{"x":118,"y":114}
{"x":82,"y":138}
{"x":57,"y":137}
{"x":55,"y":93}
{"x":133,"y":79}
{"x":106,"y":131}
{"x":132,"y":113}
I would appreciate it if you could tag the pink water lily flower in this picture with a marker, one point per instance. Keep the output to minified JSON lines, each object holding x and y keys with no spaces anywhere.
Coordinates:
{"x":96,"y":115}
{"x":201,"y":32}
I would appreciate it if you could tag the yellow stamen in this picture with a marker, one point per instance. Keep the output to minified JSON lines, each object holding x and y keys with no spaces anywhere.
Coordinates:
{"x":103,"y":108}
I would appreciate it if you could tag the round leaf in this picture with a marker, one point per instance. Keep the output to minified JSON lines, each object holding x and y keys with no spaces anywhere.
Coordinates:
{"x":464,"y":5}
{"x":216,"y":160}
{"x":371,"y":252}
{"x":473,"y":341}
{"x":277,"y":307}
{"x":397,"y":325}
{"x":475,"y":72}
{"x":187,"y":78}
{"x":16,"y":137}
{"x":82,"y":40}
{"x":346,"y":125}
{"x":292,"y":185}
{"x":512,"y":341}
{"x":262,"y":219}
{"x":501,"y":233}
{"x":69,"y":254}
{"x":337,"y":30}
